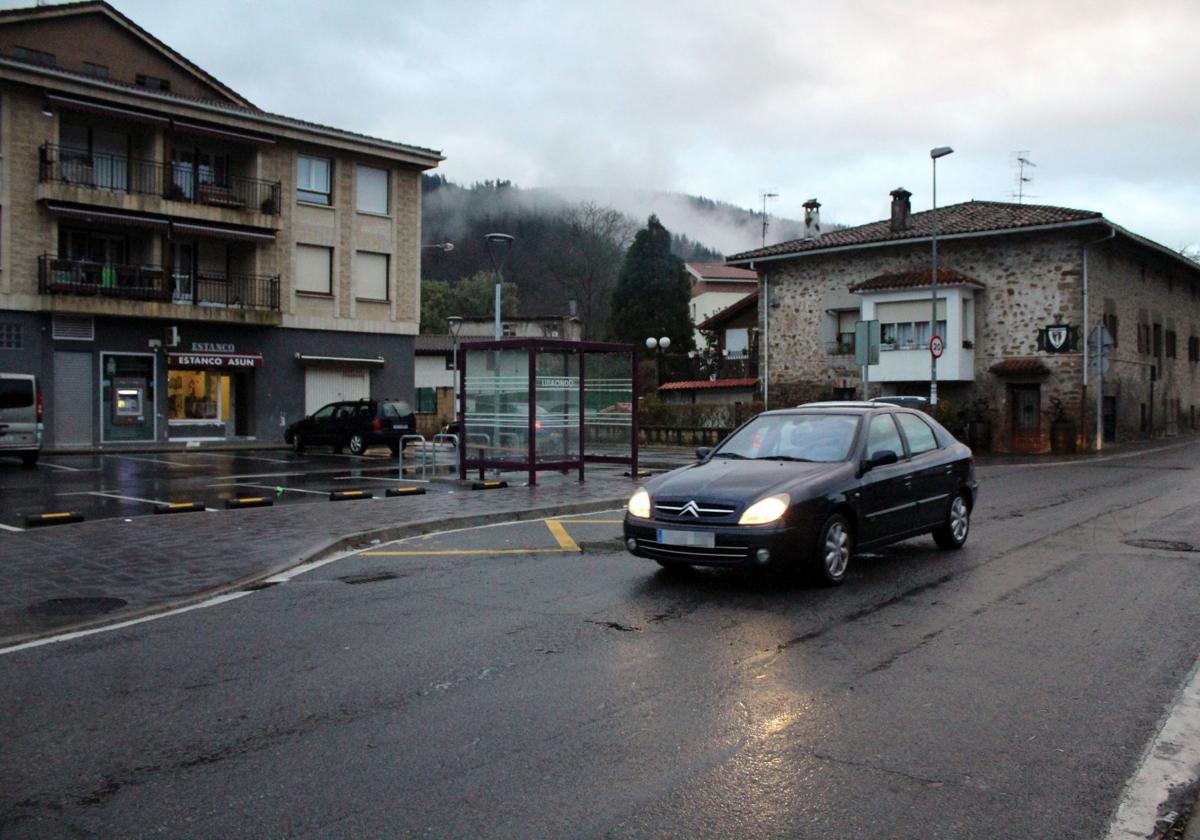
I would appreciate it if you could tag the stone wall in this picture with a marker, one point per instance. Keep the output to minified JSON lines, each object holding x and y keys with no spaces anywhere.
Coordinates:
{"x":1031,"y":281}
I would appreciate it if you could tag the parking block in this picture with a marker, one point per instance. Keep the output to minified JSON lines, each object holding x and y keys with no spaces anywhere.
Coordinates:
{"x":248,"y":502}
{"x":489,"y":485}
{"x":348,"y":495}
{"x":61,"y":518}
{"x":180,"y":507}
{"x":405,"y":491}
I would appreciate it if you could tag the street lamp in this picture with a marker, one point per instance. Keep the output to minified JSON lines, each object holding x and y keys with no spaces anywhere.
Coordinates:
{"x":455,"y":322}
{"x":934,"y":154}
{"x":446,"y":247}
{"x":658,"y":345}
{"x":499,"y":244}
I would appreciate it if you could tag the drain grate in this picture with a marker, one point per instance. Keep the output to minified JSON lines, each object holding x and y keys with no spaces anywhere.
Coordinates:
{"x":369,"y":577}
{"x":74,"y":607}
{"x":1163,"y":545}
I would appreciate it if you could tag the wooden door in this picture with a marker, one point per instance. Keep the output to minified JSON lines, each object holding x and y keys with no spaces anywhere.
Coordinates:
{"x":1026,"y":418}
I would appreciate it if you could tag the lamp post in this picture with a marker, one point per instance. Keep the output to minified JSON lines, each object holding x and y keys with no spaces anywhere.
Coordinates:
{"x":499,"y":244}
{"x":934,"y":154}
{"x":455,"y":322}
{"x":658,"y":345}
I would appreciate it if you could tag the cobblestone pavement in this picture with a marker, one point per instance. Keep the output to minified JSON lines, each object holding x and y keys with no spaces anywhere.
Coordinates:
{"x":155,"y":562}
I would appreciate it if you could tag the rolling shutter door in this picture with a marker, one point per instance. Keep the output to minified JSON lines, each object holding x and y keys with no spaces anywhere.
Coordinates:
{"x":323,"y":385}
{"x":72,"y":402}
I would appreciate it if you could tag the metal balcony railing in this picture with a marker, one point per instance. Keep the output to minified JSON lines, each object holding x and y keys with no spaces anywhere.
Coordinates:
{"x":61,"y":276}
{"x":177,"y":182}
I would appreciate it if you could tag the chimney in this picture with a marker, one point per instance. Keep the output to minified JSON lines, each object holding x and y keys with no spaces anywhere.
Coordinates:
{"x":901,"y":210}
{"x":812,"y":219}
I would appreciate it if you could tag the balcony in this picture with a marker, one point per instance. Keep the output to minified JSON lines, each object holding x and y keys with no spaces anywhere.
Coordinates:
{"x":59,"y":276}
{"x":116,"y":174}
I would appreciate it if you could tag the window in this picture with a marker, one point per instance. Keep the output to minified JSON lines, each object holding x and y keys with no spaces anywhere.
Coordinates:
{"x":1193,"y":349}
{"x":153,"y":82}
{"x":372,"y":190}
{"x":370,"y":276}
{"x":427,"y":401}
{"x":312,"y":180}
{"x":34,"y":56}
{"x":314,"y":269}
{"x":1110,"y":323}
{"x":10,"y":335}
{"x":920,"y":436}
{"x":1143,"y":338}
{"x":1170,"y":344}
{"x":883,"y":437}
{"x":1157,"y":346}
{"x":908,"y":335}
{"x":16,"y":393}
{"x":100,"y":71}
{"x":508,"y":330}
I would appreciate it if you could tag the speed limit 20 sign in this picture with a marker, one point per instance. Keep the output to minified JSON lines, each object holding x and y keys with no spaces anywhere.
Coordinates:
{"x":936,"y":346}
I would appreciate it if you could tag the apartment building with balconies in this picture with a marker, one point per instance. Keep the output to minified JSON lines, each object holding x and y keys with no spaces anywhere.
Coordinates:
{"x":179,"y":265}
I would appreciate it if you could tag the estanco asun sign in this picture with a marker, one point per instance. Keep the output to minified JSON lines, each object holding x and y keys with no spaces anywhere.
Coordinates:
{"x":214,"y":360}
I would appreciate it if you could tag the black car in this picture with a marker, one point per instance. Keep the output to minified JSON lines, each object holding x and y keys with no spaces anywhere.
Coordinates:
{"x":354,"y":426}
{"x":806,"y":487}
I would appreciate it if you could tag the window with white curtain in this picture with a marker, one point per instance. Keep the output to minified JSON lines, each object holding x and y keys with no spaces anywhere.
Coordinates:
{"x":371,"y":276}
{"x":314,"y":269}
{"x":313,"y":182}
{"x":372,"y":190}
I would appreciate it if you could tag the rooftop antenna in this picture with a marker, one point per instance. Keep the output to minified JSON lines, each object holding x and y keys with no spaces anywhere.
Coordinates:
{"x":765,"y":196}
{"x":1021,"y":161}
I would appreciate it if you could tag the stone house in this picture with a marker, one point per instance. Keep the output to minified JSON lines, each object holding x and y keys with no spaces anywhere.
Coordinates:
{"x":1019,"y":289}
{"x":179,"y":265}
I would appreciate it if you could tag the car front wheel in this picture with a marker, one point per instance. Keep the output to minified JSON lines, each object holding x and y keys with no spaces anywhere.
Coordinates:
{"x":297,"y":443}
{"x":835,"y":546}
{"x":357,"y":444}
{"x":954,"y":532}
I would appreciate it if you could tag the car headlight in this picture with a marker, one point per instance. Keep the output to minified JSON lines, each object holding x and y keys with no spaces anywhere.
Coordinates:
{"x":765,"y":510}
{"x":639,"y":505}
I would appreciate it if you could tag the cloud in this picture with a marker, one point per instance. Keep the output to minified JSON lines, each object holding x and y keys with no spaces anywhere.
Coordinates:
{"x":841,"y":100}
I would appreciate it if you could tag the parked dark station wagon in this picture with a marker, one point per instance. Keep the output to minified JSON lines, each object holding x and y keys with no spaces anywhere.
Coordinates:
{"x":354,"y":425}
{"x":807,"y":487}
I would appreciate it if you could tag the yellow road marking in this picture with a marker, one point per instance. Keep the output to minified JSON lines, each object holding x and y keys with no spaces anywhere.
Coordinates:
{"x":464,"y":551}
{"x":560,"y":534}
{"x":54,"y":515}
{"x":594,"y":521}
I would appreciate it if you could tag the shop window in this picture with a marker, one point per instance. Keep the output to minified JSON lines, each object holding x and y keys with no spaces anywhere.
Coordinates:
{"x":199,"y":395}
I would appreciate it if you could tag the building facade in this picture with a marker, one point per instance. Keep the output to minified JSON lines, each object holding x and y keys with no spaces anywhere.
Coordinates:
{"x":178,"y":265}
{"x":716,"y":286}
{"x":1020,"y":287}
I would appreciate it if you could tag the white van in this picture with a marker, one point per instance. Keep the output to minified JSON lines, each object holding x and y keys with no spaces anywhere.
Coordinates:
{"x":20,"y":417}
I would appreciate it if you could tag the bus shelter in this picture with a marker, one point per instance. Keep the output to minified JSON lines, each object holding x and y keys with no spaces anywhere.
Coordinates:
{"x":531,"y":404}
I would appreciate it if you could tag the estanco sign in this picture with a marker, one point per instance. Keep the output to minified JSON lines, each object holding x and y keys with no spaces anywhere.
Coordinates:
{"x":214,"y":360}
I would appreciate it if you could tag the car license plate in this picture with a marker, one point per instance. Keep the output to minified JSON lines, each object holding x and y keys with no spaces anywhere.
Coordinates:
{"x":699,"y":539}
{"x":396,"y":426}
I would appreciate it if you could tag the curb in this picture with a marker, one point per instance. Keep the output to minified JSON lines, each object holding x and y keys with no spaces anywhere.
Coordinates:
{"x":356,"y":540}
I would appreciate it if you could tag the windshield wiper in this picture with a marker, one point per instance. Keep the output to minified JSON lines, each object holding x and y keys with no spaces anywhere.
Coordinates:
{"x":729,"y":455}
{"x":786,"y":458}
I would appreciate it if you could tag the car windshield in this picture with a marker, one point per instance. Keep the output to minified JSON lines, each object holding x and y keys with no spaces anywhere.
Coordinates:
{"x":792,"y":437}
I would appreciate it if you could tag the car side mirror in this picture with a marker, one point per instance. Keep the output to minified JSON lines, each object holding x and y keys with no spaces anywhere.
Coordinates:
{"x":880,"y":458}
{"x":703,"y":452}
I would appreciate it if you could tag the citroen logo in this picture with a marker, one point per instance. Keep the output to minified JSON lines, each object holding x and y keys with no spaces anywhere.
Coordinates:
{"x":690,"y":509}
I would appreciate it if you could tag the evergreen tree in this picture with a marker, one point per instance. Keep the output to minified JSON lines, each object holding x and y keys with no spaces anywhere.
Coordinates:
{"x":653,"y":293}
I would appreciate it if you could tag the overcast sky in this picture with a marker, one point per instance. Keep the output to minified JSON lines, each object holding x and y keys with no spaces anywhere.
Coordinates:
{"x":840,"y":101}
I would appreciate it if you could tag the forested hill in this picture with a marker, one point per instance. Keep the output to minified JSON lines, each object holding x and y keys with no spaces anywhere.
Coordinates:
{"x":567,"y":248}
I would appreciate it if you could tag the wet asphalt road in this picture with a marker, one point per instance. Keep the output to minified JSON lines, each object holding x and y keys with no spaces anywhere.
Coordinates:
{"x":102,"y":486}
{"x":498,"y":683}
